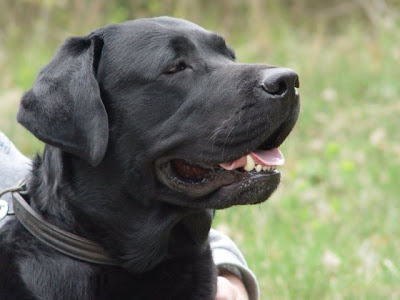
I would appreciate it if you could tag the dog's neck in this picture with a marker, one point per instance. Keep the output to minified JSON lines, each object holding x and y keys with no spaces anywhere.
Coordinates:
{"x":78,"y":198}
{"x":44,"y":185}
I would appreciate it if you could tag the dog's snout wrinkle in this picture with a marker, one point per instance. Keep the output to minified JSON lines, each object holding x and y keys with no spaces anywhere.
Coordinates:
{"x":278,"y":81}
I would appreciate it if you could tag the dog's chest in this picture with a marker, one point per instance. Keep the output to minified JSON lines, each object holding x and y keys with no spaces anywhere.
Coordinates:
{"x":186,"y":278}
{"x":64,"y":278}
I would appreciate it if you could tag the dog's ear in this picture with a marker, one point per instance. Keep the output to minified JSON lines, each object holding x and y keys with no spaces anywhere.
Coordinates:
{"x":64,"y":106}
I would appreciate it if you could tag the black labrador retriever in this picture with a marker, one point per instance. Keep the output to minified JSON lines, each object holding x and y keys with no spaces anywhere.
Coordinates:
{"x":149,"y":125}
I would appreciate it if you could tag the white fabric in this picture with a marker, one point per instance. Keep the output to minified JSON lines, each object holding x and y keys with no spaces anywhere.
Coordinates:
{"x":227,"y":255}
{"x":13,"y":165}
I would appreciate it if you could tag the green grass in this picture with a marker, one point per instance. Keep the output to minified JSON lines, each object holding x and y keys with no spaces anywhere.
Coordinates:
{"x":332,"y":230}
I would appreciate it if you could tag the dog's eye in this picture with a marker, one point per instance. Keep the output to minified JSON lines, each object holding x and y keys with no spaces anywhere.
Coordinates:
{"x":177,"y":68}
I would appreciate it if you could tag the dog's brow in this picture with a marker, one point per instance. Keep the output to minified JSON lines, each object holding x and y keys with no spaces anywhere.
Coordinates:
{"x":217,"y":40}
{"x":181,"y":45}
{"x":218,"y":43}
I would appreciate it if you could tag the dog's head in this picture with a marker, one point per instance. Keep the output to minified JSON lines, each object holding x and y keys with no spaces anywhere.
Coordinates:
{"x":165,"y":103}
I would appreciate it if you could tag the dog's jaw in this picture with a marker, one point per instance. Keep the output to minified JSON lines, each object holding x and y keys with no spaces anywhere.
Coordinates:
{"x":200,"y":183}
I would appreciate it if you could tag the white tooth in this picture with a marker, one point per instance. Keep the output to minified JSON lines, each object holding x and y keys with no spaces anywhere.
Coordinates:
{"x":250,"y":164}
{"x":269,"y":168}
{"x":258,"y":168}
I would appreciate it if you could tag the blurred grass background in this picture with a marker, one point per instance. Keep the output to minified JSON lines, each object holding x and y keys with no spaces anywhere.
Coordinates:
{"x":332,"y":231}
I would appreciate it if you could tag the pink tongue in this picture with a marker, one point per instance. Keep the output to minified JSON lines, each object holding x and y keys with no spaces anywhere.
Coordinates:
{"x":273,"y":157}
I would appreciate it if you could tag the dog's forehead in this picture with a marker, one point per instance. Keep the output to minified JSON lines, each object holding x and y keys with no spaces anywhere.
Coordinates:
{"x":163,"y":24}
{"x":162,"y":32}
{"x":173,"y":23}
{"x":152,"y":43}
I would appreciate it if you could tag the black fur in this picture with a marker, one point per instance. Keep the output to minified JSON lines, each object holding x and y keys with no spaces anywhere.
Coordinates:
{"x":107,"y":108}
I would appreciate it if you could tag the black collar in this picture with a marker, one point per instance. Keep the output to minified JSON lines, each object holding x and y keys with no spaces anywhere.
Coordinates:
{"x":56,"y":238}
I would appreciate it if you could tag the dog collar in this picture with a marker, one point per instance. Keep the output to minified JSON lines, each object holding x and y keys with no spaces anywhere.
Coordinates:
{"x":56,"y":238}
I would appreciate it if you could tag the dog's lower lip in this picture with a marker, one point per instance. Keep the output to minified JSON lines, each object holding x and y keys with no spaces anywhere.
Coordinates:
{"x":197,"y":180}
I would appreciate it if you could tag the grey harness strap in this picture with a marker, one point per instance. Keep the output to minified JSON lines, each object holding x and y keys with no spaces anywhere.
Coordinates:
{"x":56,"y":238}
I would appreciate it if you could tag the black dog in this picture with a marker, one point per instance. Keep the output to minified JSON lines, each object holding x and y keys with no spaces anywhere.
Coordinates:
{"x":149,"y":126}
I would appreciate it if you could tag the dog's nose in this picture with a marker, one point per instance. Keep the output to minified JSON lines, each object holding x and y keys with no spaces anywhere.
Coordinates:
{"x":277,"y":81}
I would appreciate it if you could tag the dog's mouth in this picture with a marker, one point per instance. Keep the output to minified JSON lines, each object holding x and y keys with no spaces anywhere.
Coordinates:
{"x":255,"y":170}
{"x":242,"y":179}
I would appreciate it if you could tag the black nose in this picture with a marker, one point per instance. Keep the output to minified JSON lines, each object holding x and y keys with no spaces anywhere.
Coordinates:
{"x":277,"y":81}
